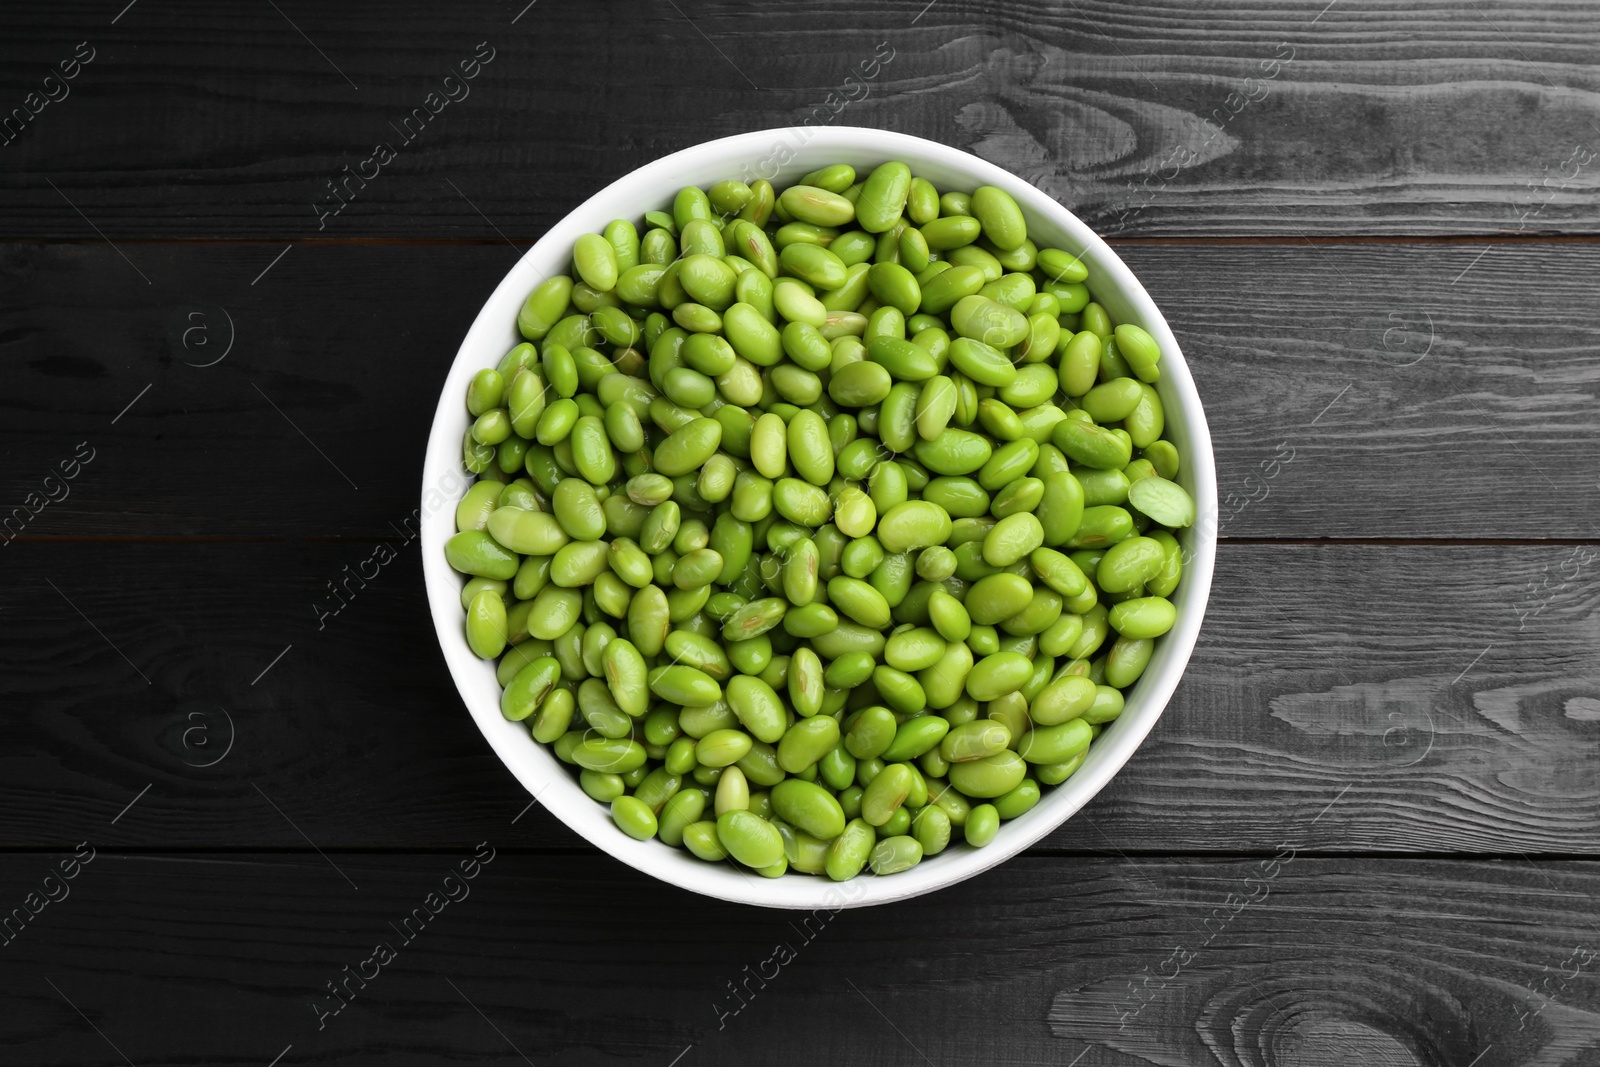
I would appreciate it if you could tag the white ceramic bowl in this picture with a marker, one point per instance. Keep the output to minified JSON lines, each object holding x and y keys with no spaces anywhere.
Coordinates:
{"x":782,"y":156}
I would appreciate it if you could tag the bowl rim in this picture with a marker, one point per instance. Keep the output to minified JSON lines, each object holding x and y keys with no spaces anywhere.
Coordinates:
{"x":536,"y":767}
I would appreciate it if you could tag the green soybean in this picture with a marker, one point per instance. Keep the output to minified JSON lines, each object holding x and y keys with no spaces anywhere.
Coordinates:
{"x":989,"y":777}
{"x":809,"y":807}
{"x":871,"y":734}
{"x":807,"y":742}
{"x":750,"y":839}
{"x":1000,"y":217}
{"x":1166,"y":502}
{"x":850,"y":850}
{"x":895,"y":854}
{"x":883,"y":197}
{"x":634,"y":818}
{"x":1143,"y":617}
{"x":1163,"y":455}
{"x":1127,"y":660}
{"x":983,"y":823}
{"x":1130,"y":564}
{"x":996,"y":675}
{"x":1140,"y":350}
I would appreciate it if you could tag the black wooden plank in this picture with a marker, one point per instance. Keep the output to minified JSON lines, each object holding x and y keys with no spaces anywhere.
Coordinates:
{"x":1396,"y":699}
{"x":1253,"y":117}
{"x":1287,"y":959}
{"x":1405,"y":405}
{"x":295,"y":402}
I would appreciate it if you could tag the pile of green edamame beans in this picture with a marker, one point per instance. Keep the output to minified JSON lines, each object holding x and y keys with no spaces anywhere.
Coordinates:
{"x":813,"y":528}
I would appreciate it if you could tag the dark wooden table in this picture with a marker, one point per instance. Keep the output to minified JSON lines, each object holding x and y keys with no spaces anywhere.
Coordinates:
{"x":1365,"y":830}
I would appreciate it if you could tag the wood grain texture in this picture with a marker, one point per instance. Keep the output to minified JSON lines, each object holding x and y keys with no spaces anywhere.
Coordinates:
{"x":572,"y":960}
{"x":1255,"y":117}
{"x":1415,"y":700}
{"x":1352,"y":391}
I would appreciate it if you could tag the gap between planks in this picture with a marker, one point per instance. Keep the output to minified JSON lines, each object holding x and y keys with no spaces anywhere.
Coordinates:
{"x":203,"y":851}
{"x":363,"y":538}
{"x":1223,"y":240}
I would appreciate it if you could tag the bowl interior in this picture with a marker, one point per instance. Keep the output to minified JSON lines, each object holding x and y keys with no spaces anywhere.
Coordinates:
{"x":782,"y":156}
